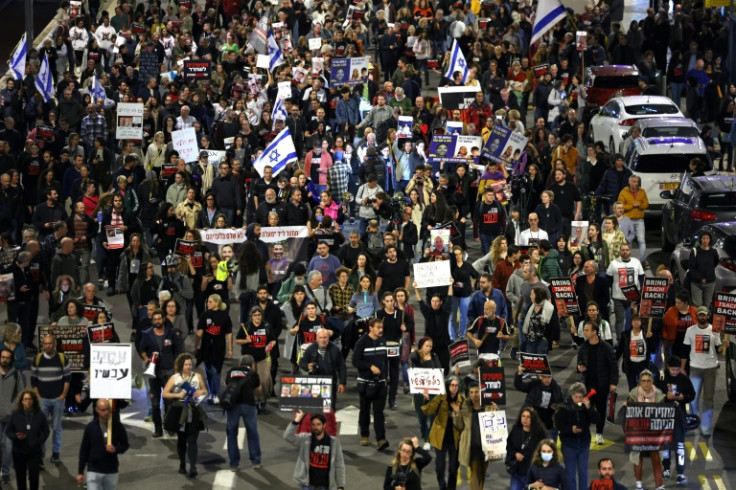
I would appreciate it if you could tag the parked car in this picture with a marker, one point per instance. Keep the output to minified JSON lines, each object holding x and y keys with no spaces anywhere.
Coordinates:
{"x":731,"y":372}
{"x":662,"y":162}
{"x":697,"y":201}
{"x":664,"y":127}
{"x":619,"y":114}
{"x":601,"y":82}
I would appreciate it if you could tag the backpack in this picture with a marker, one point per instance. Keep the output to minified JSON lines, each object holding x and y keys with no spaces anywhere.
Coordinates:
{"x":62,"y":358}
{"x":231,"y":392}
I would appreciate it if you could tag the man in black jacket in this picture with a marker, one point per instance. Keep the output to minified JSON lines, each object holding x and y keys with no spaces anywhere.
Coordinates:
{"x":325,"y":358}
{"x":48,"y":213}
{"x":225,"y":187}
{"x":543,"y":394}
{"x":244,"y":406}
{"x":369,"y":358}
{"x":101,"y":458}
{"x":597,"y":362}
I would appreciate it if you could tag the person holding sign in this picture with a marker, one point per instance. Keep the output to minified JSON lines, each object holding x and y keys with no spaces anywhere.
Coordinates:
{"x":543,"y":394}
{"x":436,"y":318}
{"x":467,"y":422}
{"x":443,"y":435}
{"x":635,"y":347}
{"x":541,"y":324}
{"x":395,"y":323}
{"x":573,"y":419}
{"x":405,"y":470}
{"x":523,"y":439}
{"x":487,"y":331}
{"x":100,"y":454}
{"x":423,"y":357}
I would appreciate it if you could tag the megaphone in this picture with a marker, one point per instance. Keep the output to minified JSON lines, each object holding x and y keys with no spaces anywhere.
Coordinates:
{"x":151,"y":369}
{"x":592,"y":392}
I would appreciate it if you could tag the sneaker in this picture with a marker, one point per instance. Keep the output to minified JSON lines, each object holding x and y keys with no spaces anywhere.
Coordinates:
{"x":381,"y":445}
{"x":406,"y":388}
{"x":216,"y":400}
{"x":110,"y":292}
{"x":705,"y":431}
{"x":639,"y":486}
{"x":661,"y":487}
{"x":666,"y":474}
{"x":55,"y":459}
{"x":427,"y":446}
{"x":392,"y":406}
{"x":101,"y":280}
{"x":599,"y":439}
{"x":148,"y":417}
{"x":158,"y":433}
{"x":681,"y":480}
{"x":365,"y":441}
{"x":512,"y":355}
{"x":257,"y":466}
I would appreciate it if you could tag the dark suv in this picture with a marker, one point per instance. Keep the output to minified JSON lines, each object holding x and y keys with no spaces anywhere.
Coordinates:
{"x":697,"y":202}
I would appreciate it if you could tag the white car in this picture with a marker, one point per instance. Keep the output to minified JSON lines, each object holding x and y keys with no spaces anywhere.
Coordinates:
{"x":616,"y":118}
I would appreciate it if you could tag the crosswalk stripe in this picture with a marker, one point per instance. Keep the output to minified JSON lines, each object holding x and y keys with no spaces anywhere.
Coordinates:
{"x":691,"y":452}
{"x":704,"y":482}
{"x":719,"y":482}
{"x":224,"y":480}
{"x":241,"y":438}
{"x":706,"y":452}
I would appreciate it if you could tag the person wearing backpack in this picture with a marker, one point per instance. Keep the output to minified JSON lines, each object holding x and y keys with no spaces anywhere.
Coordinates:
{"x":11,"y":384}
{"x":243,"y":405}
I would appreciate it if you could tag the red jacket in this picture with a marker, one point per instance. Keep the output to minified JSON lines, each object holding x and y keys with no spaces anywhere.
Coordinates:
{"x":477,"y":114}
{"x":669,"y":323}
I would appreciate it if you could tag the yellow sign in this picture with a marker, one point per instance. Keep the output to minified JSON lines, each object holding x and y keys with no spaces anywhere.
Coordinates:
{"x":717,"y":3}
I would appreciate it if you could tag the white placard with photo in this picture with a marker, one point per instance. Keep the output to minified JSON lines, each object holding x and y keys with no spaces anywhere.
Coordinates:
{"x":129,"y":121}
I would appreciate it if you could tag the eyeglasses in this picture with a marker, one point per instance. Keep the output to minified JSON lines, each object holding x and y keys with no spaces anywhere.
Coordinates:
{"x":256,"y":314}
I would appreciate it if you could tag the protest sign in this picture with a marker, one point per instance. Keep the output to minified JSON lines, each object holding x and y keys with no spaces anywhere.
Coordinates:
{"x":430,"y":381}
{"x":286,"y":245}
{"x":7,"y":257}
{"x":184,"y":247}
{"x":431,"y":274}
{"x":110,"y":371}
{"x":223,"y":236}
{"x":454,"y":127}
{"x":405,"y":125}
{"x":648,"y":426}
{"x":312,"y":394}
{"x":631,"y":292}
{"x":196,"y":70}
{"x":114,"y":237}
{"x":459,"y":353}
{"x":439,"y":241}
{"x":581,"y":40}
{"x":129,"y":121}
{"x":298,"y":74}
{"x":284,"y":90}
{"x":101,"y":334}
{"x":494,"y":431}
{"x":504,"y":145}
{"x":492,"y":385}
{"x":315,"y":43}
{"x":70,"y":341}
{"x":318,"y":65}
{"x":347,"y":71}
{"x":724,"y":313}
{"x":214,"y":157}
{"x":579,"y":234}
{"x":653,"y":297}
{"x":563,"y":294}
{"x":263,"y":61}
{"x":184,"y":142}
{"x":457,"y":97}
{"x":7,"y":287}
{"x":535,"y":363}
{"x":454,"y":148}
{"x":90,"y":312}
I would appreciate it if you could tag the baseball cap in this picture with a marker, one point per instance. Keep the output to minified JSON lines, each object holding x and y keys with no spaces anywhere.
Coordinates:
{"x":703,"y":310}
{"x":203,"y":154}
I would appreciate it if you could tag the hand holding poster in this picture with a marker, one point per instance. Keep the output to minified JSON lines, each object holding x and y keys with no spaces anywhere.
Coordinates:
{"x":724,"y":313}
{"x":101,"y":334}
{"x":405,"y":124}
{"x":535,"y":363}
{"x":185,"y":143}
{"x":579,"y":234}
{"x":431,"y":274}
{"x":114,"y":237}
{"x":459,"y":354}
{"x":653,"y":297}
{"x":195,"y":70}
{"x":492,"y":385}
{"x":430,"y":381}
{"x":563,"y":294}
{"x":648,"y":426}
{"x":439,"y":241}
{"x":312,"y":394}
{"x":110,"y":371}
{"x":494,"y":432}
{"x":504,"y":145}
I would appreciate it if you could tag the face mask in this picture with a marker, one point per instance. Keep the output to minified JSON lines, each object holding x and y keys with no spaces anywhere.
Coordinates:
{"x":65,"y":288}
{"x":547,"y":457}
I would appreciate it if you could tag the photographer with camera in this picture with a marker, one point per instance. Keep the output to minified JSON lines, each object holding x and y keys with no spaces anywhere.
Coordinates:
{"x":405,"y":470}
{"x":366,"y":194}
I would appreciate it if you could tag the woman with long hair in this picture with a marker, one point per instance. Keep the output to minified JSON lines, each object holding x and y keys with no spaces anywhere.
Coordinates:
{"x":306,"y":329}
{"x":175,"y":320}
{"x":28,"y":430}
{"x":593,"y":314}
{"x":423,"y":357}
{"x":497,"y":253}
{"x":564,"y":257}
{"x":523,"y":439}
{"x":13,"y":341}
{"x":401,"y":296}
{"x":723,"y":126}
{"x":635,"y":348}
{"x":156,"y":153}
{"x":363,"y":267}
{"x":546,"y":469}
{"x":405,"y":470}
{"x":613,"y":237}
{"x":215,"y":334}
{"x":576,"y":267}
{"x":293,"y":311}
{"x":597,"y":248}
{"x":436,"y":212}
{"x":541,"y":324}
{"x":646,"y":392}
{"x":73,"y":314}
{"x":185,"y":416}
{"x":131,"y":261}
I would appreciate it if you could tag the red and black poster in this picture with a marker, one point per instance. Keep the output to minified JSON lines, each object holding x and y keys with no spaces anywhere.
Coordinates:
{"x":69,"y":340}
{"x":195,"y":70}
{"x":91,"y":311}
{"x":563,"y":294}
{"x":459,"y":353}
{"x":653,"y":297}
{"x":101,"y":334}
{"x":631,"y":292}
{"x":312,"y":394}
{"x":535,"y":363}
{"x":492,"y":385}
{"x":648,"y":426}
{"x":724,"y":313}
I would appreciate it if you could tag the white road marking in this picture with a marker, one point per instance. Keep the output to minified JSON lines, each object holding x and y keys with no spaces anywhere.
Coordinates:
{"x":348,"y":419}
{"x":241,"y":438}
{"x":224,"y":480}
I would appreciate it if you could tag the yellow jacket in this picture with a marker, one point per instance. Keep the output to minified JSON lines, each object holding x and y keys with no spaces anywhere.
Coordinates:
{"x":439,"y":408}
{"x":628,"y":200}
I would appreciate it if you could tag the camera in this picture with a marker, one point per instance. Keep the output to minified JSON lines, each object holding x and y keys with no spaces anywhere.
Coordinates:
{"x":399,"y":480}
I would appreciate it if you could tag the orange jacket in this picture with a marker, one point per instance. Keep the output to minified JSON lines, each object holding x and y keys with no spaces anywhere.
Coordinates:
{"x":669,"y":323}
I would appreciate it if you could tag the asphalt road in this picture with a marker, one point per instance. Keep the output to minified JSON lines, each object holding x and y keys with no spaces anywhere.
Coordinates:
{"x":154,"y":463}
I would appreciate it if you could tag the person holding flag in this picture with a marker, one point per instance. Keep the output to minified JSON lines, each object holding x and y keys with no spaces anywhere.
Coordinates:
{"x":277,"y":154}
{"x":549,"y":13}
{"x":275,"y":55}
{"x":457,"y":64}
{"x":44,"y":82}
{"x":17,"y":60}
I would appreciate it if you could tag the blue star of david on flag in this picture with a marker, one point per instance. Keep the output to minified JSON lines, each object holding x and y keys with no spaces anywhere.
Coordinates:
{"x":457,"y":62}
{"x":274,"y":156}
{"x":277,"y":154}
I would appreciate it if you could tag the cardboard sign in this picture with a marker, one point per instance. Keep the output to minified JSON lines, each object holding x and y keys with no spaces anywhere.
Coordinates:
{"x":648,"y":426}
{"x":724,"y":313}
{"x":185,"y":143}
{"x":110,"y":371}
{"x":579,"y":234}
{"x":504,"y":145}
{"x":563,"y":294}
{"x":312,"y":394}
{"x":431,"y":274}
{"x":195,"y":70}
{"x":430,"y":381}
{"x":455,"y":148}
{"x":129,"y":121}
{"x":101,"y":334}
{"x":459,"y":353}
{"x":70,"y":341}
{"x":284,"y":90}
{"x":494,"y":431}
{"x":457,"y":97}
{"x":535,"y":363}
{"x":653,"y":297}
{"x":315,"y":43}
{"x":115,"y":237}
{"x":405,"y":125}
{"x":492,"y":385}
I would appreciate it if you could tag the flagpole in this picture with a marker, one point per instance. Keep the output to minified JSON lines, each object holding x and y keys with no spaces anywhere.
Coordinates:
{"x":29,"y":27}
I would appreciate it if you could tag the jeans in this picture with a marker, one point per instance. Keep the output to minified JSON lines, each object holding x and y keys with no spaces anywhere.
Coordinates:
{"x":55,"y":408}
{"x":485,"y":242}
{"x":462,"y":304}
{"x":448,"y":450}
{"x":704,"y":384}
{"x":621,"y":308}
{"x":676,"y":89}
{"x":378,"y":404}
{"x":538,"y":347}
{"x":7,"y":448}
{"x":425,"y":421}
{"x":439,"y":48}
{"x":249,"y":414}
{"x":640,"y":238}
{"x":576,"y":462}
{"x":212,"y":378}
{"x":102,"y":481}
{"x":229,"y":215}
{"x":701,"y":294}
{"x":518,"y":482}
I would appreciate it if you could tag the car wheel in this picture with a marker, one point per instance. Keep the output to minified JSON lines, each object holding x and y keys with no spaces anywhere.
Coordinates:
{"x":730,"y":378}
{"x":611,"y":146}
{"x":667,"y":245}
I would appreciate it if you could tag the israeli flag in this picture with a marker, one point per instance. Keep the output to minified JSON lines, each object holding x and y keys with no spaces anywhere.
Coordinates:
{"x":277,"y":154}
{"x":279,"y":112}
{"x":275,"y":56}
{"x":44,"y":82}
{"x":18,"y":59}
{"x":457,"y":62}
{"x":549,"y":13}
{"x":96,"y":90}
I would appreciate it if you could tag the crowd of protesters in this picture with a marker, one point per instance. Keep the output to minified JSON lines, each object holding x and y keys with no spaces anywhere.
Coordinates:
{"x":79,"y":205}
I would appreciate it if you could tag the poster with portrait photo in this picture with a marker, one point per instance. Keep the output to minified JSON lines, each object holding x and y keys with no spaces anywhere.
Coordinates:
{"x":347,"y":71}
{"x":7,"y":287}
{"x":467,"y":149}
{"x":405,"y":125}
{"x":318,"y":65}
{"x":504,"y":145}
{"x":298,"y":74}
{"x":439,"y":242}
{"x":129,"y":121}
{"x":312,"y":394}
{"x":579,"y":234}
{"x":454,"y":127}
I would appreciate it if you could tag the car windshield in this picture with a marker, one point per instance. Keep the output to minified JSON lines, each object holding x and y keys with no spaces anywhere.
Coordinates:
{"x":667,"y":163}
{"x":650,"y":109}
{"x":670,"y":131}
{"x":616,"y":82}
{"x":722,"y":201}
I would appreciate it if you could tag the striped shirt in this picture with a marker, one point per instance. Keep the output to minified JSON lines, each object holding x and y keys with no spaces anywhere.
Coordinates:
{"x":49,"y":375}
